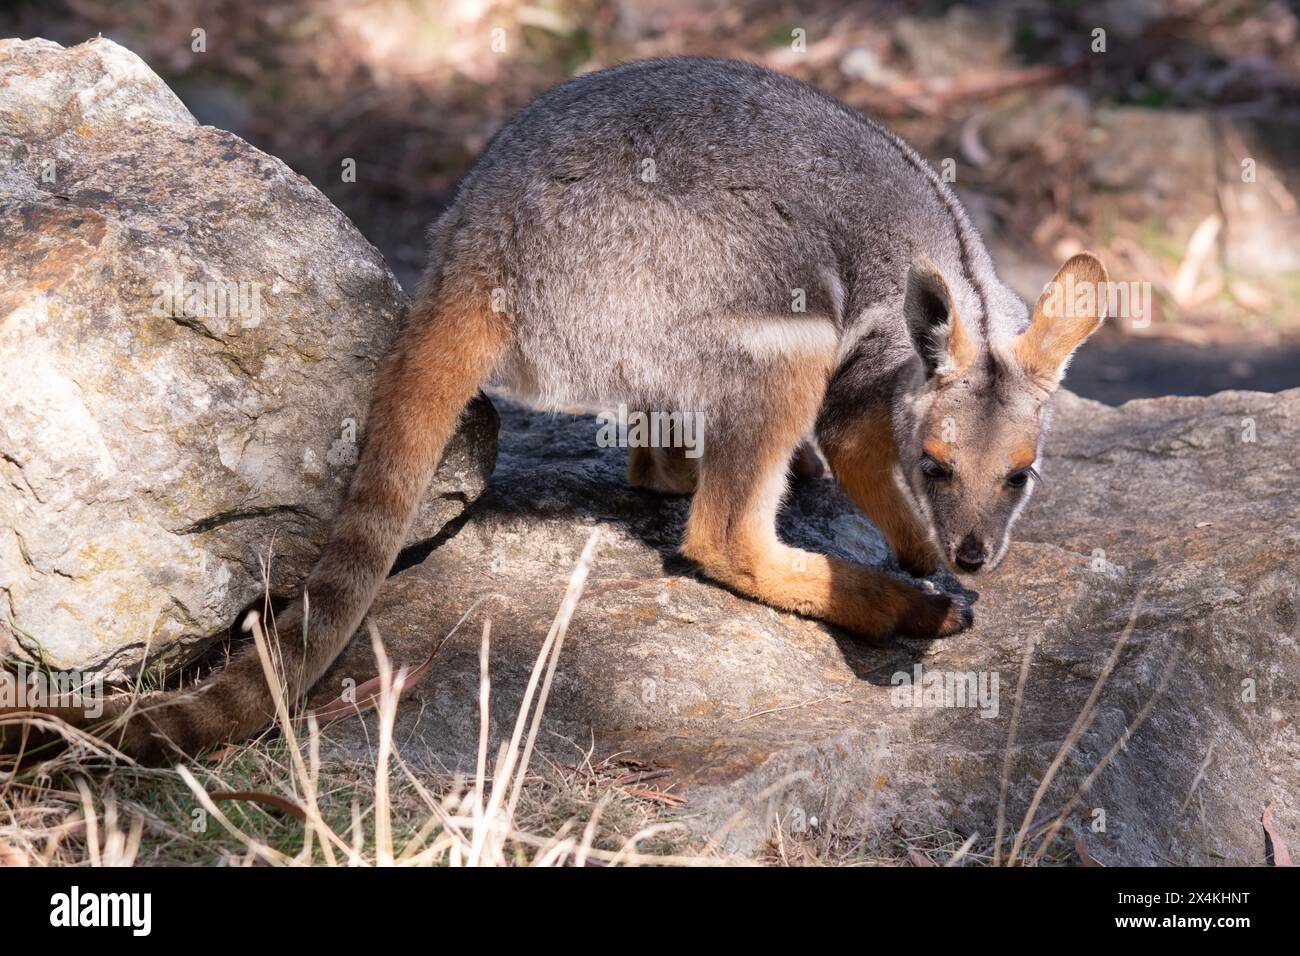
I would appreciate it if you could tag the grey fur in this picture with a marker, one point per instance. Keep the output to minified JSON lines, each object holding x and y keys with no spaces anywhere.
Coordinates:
{"x":764,"y":185}
{"x":663,"y":294}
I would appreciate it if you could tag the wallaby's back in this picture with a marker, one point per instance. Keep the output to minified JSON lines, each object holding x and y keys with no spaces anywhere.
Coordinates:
{"x":630,"y":217}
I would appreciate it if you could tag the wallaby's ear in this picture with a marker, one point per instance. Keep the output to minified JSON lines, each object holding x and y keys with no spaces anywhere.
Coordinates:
{"x":1071,"y":308}
{"x":932,"y":320}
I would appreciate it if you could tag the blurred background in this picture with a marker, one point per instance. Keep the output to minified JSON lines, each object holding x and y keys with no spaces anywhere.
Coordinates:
{"x":1163,"y":134}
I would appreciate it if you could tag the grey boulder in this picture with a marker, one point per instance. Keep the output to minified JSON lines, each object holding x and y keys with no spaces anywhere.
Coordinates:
{"x":188,"y":336}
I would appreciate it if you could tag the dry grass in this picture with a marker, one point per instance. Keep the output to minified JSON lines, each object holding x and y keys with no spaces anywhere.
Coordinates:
{"x":272,"y":802}
{"x":900,"y":845}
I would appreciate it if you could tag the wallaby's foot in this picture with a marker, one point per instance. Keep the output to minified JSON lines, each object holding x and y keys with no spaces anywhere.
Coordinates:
{"x":861,"y":599}
{"x":920,"y":561}
{"x":807,"y":462}
{"x":947,"y":614}
{"x":664,"y":470}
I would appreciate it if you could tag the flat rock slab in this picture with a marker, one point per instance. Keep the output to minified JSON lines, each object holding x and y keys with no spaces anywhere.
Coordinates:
{"x":1177,"y":514}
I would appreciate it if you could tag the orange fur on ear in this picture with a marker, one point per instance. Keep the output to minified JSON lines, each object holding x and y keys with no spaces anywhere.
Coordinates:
{"x":1071,"y":308}
{"x":961,"y":347}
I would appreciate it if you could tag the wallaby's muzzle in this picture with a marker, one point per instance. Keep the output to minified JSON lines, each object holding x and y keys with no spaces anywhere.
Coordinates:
{"x":971,"y":554}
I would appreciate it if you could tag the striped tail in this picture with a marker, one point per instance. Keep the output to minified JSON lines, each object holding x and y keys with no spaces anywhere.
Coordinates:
{"x":433,"y":370}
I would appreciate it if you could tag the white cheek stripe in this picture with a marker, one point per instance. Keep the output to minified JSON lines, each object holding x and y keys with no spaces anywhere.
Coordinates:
{"x":1014,"y":517}
{"x":920,"y":506}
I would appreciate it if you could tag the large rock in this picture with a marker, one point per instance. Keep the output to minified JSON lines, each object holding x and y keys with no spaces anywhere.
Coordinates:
{"x":156,"y":446}
{"x":1179,"y":512}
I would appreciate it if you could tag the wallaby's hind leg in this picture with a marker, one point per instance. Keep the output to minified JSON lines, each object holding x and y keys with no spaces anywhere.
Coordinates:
{"x":731,"y":532}
{"x":669,"y":471}
{"x":665,"y":470}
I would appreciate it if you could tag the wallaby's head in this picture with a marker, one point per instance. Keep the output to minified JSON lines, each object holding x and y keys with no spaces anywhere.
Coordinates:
{"x":978,"y":421}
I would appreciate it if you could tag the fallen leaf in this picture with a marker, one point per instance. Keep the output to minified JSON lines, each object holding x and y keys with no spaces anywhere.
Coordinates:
{"x":367,"y":694}
{"x":1085,"y":858}
{"x":254,"y":796}
{"x":639,"y":777}
{"x":221,"y":754}
{"x":1275,"y":851}
{"x":920,"y":859}
{"x":655,"y":796}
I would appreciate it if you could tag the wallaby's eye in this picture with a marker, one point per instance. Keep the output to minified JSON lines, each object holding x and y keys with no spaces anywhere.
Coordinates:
{"x":935,"y":470}
{"x":1018,"y":479}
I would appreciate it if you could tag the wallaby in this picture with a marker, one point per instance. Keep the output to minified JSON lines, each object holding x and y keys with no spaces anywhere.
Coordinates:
{"x":702,"y":236}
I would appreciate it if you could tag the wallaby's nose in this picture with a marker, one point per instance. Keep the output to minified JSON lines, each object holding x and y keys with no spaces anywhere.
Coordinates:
{"x":971,"y":554}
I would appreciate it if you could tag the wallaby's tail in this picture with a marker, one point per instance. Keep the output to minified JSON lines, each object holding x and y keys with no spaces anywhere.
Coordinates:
{"x":435,"y":367}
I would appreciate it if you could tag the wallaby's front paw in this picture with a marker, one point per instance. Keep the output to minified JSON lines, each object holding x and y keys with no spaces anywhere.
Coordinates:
{"x":937,"y":615}
{"x":919,"y":562}
{"x":664,"y":471}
